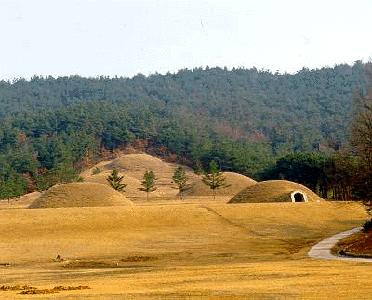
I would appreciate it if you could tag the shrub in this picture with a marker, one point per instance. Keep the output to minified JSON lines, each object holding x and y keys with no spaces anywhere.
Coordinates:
{"x":96,"y":171}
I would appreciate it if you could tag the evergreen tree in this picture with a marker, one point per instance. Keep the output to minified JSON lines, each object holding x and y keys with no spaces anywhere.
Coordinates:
{"x":361,"y":140}
{"x":305,"y":168}
{"x":180,"y":178}
{"x":115,"y":181}
{"x":215,"y":178}
{"x":15,"y":186}
{"x":61,"y":173}
{"x":148,"y":183}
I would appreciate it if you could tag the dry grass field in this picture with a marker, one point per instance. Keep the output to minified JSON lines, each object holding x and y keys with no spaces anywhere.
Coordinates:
{"x":197,"y":249}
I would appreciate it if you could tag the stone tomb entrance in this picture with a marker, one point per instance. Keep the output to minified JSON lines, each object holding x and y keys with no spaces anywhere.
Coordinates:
{"x":298,"y":196}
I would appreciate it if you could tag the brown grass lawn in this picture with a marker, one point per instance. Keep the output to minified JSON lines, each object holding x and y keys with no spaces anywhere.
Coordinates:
{"x":196,"y":249}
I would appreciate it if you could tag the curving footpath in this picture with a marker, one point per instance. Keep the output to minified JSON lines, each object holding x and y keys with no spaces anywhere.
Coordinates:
{"x":322,"y":250}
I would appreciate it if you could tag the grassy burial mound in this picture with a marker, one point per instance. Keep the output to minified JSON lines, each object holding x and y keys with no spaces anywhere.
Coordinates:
{"x":139,"y":163}
{"x":131,"y":190}
{"x":275,"y":191}
{"x":236,"y":182}
{"x":20,"y":202}
{"x":133,"y":166}
{"x":80,"y":195}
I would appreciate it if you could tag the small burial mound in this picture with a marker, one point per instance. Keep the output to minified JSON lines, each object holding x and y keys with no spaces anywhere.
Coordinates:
{"x":236,"y":182}
{"x":20,"y":202}
{"x":80,"y":195}
{"x":275,"y":191}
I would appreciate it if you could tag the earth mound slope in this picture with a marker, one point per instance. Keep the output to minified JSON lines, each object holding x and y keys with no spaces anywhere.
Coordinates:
{"x":141,"y":162}
{"x":274,"y":191}
{"x":80,"y":195}
{"x":236,"y":182}
{"x":132,"y":167}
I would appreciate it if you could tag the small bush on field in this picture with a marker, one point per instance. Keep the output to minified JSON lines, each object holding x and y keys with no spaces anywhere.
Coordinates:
{"x":30,"y":290}
{"x":96,"y":171}
{"x":16,"y":288}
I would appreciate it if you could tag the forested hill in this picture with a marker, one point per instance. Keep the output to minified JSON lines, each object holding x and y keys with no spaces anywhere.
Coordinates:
{"x":243,"y":117}
{"x":300,"y":111}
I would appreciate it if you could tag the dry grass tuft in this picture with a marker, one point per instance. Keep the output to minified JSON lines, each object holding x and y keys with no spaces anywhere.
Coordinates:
{"x":107,"y":263}
{"x":5,"y":288}
{"x":80,"y":195}
{"x":89,"y":264}
{"x":56,"y":289}
{"x":138,"y":258}
{"x":272,"y":191}
{"x":30,"y":290}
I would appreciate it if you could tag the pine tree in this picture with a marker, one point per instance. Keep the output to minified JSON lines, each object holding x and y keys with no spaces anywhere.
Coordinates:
{"x":215,"y":178}
{"x":15,"y":186}
{"x":180,"y":178}
{"x":116,"y":181}
{"x":148,"y":183}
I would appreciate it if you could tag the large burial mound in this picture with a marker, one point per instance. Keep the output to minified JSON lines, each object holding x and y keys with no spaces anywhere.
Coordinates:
{"x":137,"y":164}
{"x":236,"y":182}
{"x":132,"y":167}
{"x":80,"y":195}
{"x":275,"y":191}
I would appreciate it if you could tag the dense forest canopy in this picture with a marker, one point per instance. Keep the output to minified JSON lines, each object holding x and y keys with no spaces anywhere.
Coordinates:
{"x":245,"y":119}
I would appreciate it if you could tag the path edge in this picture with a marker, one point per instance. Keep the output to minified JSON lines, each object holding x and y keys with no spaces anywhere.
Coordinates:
{"x":322,"y":250}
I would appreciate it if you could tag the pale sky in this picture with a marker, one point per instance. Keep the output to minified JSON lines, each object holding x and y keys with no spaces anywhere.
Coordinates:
{"x":127,"y":37}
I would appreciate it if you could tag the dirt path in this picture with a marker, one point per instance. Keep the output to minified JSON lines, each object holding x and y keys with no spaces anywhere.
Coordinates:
{"x":322,"y":250}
